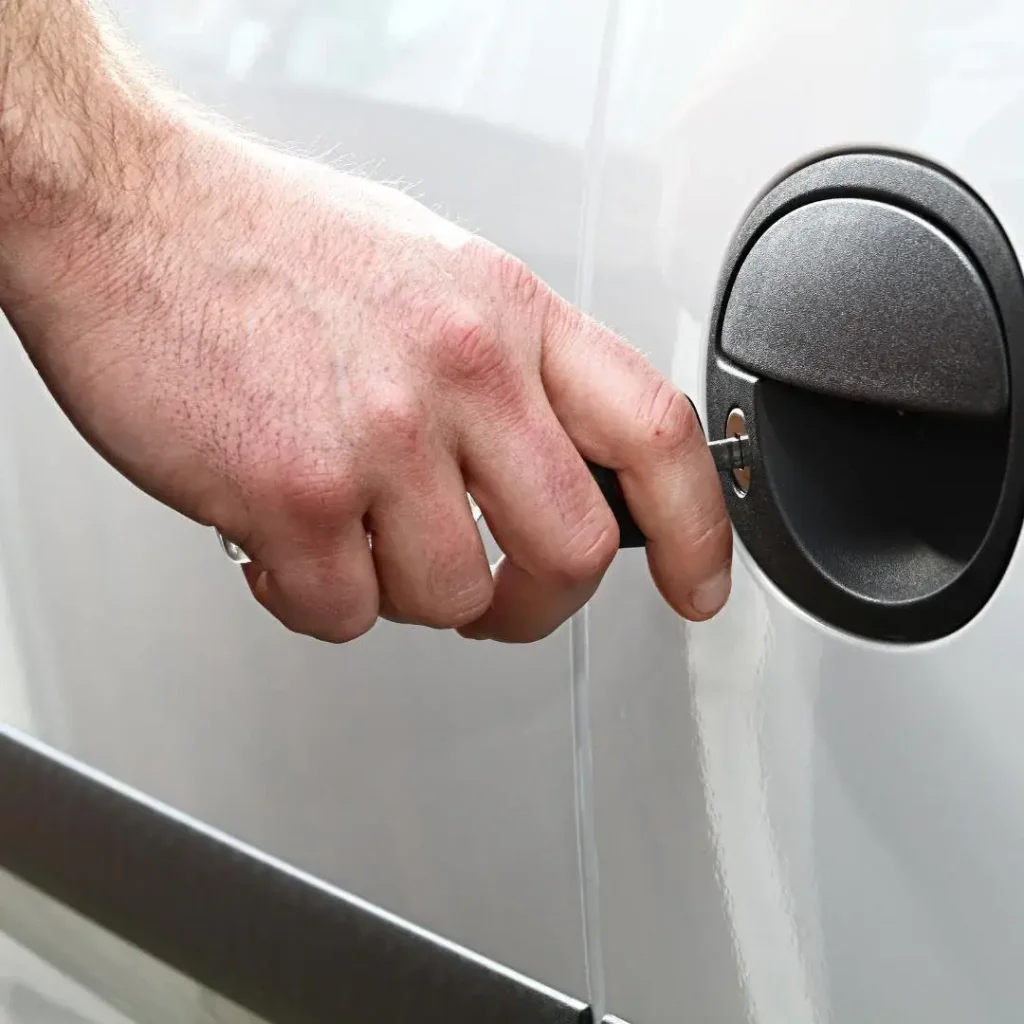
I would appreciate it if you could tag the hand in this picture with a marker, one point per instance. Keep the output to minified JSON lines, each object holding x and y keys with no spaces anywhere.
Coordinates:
{"x":322,"y":368}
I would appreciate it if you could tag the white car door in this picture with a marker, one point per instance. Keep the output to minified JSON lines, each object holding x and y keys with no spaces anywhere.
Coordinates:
{"x":783,"y":816}
{"x":427,"y":774}
{"x":802,"y":816}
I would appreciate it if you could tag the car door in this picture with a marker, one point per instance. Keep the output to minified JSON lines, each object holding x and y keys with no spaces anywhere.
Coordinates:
{"x":797,"y":820}
{"x":780,"y":818}
{"x":432,"y":776}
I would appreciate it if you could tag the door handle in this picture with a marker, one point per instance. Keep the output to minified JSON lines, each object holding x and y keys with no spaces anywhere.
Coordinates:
{"x":869,"y":320}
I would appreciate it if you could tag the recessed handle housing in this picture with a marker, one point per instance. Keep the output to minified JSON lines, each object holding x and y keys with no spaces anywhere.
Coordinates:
{"x":869,"y":320}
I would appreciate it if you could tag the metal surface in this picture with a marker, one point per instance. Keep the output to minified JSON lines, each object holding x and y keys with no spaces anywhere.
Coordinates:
{"x":430,"y":775}
{"x":232,"y":550}
{"x":732,"y":453}
{"x":736,"y":426}
{"x":796,"y":826}
{"x":792,"y":826}
{"x":58,"y":967}
{"x":279,"y":943}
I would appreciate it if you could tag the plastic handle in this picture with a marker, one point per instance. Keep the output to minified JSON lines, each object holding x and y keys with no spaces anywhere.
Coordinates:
{"x":630,"y":535}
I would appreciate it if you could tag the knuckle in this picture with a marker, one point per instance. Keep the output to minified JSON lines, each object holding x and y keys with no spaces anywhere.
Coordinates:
{"x":314,"y":497}
{"x":333,"y":633}
{"x":469,"y":351}
{"x":589,"y":550}
{"x":342,"y":613}
{"x":667,"y":419}
{"x":458,"y":589}
{"x":516,"y":281}
{"x":460,"y":606}
{"x":396,"y":418}
{"x":338,"y":628}
{"x":708,"y":541}
{"x":352,"y":626}
{"x":712,"y":543}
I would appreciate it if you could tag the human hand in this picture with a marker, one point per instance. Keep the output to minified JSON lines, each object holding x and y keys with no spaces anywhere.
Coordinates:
{"x":322,"y":368}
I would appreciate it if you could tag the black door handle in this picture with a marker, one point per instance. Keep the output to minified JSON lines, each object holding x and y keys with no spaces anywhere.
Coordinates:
{"x":869,"y":320}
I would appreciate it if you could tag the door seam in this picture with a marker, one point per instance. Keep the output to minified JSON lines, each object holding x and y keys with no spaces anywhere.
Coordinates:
{"x":595,"y":151}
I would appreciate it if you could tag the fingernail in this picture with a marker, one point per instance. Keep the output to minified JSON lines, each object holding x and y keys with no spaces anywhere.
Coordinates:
{"x":712,"y":594}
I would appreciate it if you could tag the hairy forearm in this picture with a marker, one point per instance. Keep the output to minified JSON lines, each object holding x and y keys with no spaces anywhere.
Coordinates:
{"x":74,"y":111}
{"x":93,"y":148}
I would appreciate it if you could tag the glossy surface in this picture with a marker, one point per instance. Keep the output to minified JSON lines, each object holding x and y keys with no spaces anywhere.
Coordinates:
{"x":791,"y":826}
{"x":428,"y":774}
{"x":797,"y":826}
{"x":59,"y":968}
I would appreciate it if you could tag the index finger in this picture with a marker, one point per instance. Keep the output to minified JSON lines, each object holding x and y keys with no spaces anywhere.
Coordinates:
{"x":621,"y":413}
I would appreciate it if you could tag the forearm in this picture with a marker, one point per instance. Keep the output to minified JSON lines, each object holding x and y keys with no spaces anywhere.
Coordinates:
{"x":92,"y":149}
{"x":72,"y":110}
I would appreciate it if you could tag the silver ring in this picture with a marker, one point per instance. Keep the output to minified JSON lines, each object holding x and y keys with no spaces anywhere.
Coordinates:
{"x":232,"y":550}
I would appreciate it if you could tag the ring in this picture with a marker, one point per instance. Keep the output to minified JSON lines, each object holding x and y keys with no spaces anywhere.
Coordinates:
{"x":232,"y":550}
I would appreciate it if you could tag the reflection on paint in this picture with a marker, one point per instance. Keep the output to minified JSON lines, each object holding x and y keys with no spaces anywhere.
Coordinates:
{"x":15,"y":709}
{"x":726,"y":668}
{"x":57,"y":967}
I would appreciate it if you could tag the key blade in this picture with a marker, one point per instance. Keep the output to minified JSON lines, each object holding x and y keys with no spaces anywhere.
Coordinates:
{"x":730,"y":453}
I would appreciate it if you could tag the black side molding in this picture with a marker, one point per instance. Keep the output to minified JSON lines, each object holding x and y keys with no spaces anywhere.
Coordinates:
{"x":280,"y":943}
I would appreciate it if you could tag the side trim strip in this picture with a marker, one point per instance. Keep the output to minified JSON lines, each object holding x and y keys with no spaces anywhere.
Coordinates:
{"x":278,"y":942}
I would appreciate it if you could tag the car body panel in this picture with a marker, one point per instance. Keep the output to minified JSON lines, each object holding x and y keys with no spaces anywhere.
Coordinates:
{"x":431,"y":775}
{"x":792,"y":825}
{"x":798,"y":825}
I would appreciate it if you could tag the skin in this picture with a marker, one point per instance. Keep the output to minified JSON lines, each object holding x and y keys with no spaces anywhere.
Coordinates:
{"x":322,"y":367}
